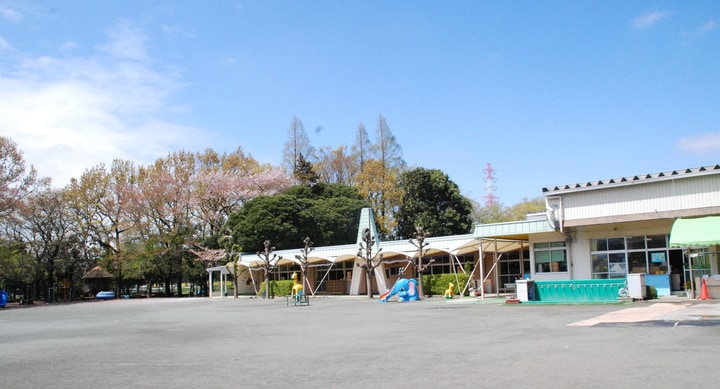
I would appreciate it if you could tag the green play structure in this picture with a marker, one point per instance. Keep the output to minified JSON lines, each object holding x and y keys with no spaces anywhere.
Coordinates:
{"x":575,"y":291}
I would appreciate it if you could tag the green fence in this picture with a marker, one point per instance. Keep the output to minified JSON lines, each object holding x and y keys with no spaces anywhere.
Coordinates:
{"x":571,"y":291}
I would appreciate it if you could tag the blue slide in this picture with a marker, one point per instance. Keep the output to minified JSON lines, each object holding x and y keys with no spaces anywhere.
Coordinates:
{"x":405,"y":288}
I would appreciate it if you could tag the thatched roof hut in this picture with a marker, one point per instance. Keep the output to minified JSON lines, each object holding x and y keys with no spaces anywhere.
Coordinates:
{"x":98,"y":279}
{"x":97,"y":273}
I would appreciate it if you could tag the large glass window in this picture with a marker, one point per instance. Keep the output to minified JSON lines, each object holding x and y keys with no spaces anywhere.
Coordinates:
{"x":615,"y":257}
{"x":550,"y":257}
{"x":514,"y":265}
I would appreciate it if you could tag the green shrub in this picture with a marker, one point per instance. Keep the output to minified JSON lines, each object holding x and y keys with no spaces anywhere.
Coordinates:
{"x":436,"y":284}
{"x":651,"y":292}
{"x":277,"y":288}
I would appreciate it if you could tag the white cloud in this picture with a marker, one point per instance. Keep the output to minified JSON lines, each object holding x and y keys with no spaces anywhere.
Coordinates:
{"x":649,"y":19}
{"x":11,"y":14}
{"x":4,"y":45}
{"x":67,"y":46}
{"x":703,"y":144}
{"x":70,"y":114}
{"x":710,"y":25}
{"x":125,"y":42}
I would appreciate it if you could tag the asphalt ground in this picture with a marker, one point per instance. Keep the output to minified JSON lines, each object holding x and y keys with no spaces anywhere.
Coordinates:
{"x":352,"y":342}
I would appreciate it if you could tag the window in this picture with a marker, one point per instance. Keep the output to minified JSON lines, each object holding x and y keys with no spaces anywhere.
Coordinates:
{"x":608,"y":258}
{"x":514,"y":265}
{"x":285,"y":272}
{"x":613,"y":257}
{"x":550,"y":257}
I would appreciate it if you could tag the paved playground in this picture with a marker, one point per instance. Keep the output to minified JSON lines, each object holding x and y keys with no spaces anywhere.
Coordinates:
{"x":353,"y":342}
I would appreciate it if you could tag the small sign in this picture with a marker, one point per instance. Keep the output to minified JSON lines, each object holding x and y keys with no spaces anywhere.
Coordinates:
{"x":657,"y":257}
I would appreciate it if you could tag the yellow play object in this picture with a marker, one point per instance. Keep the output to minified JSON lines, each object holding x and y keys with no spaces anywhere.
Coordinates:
{"x":449,"y":291}
{"x":297,"y":289}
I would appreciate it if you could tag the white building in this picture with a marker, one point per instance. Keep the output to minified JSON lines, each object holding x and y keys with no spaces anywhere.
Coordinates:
{"x":591,"y":230}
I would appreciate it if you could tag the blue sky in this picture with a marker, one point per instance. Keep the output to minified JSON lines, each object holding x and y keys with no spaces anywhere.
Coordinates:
{"x":549,"y":93}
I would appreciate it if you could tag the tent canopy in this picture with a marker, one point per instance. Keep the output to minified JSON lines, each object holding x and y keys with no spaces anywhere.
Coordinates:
{"x":704,"y":231}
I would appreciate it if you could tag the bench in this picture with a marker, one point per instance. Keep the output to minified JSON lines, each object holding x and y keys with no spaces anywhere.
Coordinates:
{"x":297,"y":300}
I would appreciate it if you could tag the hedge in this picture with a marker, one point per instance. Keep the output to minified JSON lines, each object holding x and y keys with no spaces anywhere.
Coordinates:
{"x":437,"y":284}
{"x":277,"y":288}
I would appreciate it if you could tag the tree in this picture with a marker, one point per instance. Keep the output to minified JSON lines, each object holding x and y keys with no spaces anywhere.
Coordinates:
{"x":487,"y":215}
{"x":336,"y":166}
{"x":297,"y":143}
{"x":303,"y":259}
{"x":371,"y":261}
{"x":418,"y":240}
{"x":520,"y":210}
{"x":164,"y":200}
{"x":386,"y":149}
{"x":496,"y":213}
{"x":16,"y":265}
{"x":329,"y":212}
{"x":378,"y":179}
{"x":362,"y":148}
{"x":269,"y":263}
{"x":380,"y":188}
{"x":48,"y":230}
{"x":432,"y":201}
{"x":263,"y":218}
{"x":224,"y":183}
{"x":16,"y":181}
{"x":304,"y":172}
{"x":101,"y":202}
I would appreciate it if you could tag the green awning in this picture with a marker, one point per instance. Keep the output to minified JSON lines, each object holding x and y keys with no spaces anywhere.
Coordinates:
{"x":704,"y":231}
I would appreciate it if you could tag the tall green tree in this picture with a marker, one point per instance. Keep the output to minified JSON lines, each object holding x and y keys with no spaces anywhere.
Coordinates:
{"x":497,"y":213}
{"x":432,"y":201}
{"x":329,"y":212}
{"x":520,"y":210}
{"x":305,"y":172}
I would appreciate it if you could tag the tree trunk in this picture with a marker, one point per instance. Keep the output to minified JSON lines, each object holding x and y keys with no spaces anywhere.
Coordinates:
{"x":421,"y":289}
{"x":267,"y":285}
{"x":368,"y":281}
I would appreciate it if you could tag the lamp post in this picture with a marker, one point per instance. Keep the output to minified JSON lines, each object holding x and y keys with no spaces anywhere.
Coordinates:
{"x":370,"y":264}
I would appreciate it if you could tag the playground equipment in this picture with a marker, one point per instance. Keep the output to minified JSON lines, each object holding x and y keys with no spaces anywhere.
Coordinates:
{"x":405,"y":288}
{"x":449,"y":291}
{"x":297,"y":288}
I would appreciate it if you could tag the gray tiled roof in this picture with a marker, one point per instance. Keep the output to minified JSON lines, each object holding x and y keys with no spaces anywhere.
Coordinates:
{"x":631,"y":180}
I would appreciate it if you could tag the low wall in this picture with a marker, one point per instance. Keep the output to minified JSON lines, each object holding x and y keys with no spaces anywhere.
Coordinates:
{"x":570,"y":291}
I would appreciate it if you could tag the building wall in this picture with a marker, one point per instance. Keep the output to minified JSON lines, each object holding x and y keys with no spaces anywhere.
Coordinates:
{"x":670,"y":198}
